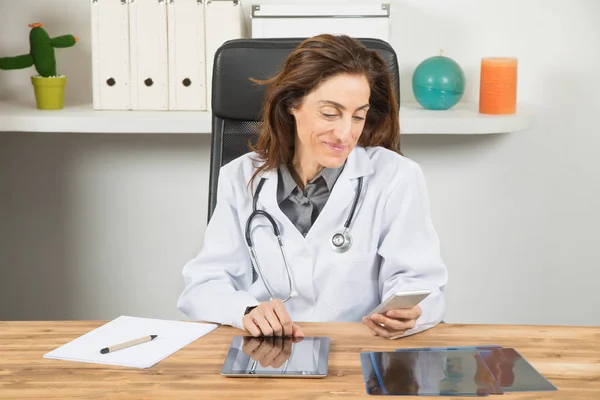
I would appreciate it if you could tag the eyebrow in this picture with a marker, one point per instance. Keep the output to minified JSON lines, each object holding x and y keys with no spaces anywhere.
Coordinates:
{"x":338,"y":105}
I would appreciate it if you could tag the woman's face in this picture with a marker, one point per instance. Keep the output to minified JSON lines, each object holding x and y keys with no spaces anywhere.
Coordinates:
{"x":330,"y":120}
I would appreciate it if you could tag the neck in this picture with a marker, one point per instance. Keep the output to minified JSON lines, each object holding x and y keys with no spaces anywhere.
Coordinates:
{"x":304,"y":170}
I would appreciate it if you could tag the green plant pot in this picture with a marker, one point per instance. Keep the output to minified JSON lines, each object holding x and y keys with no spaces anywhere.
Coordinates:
{"x":49,"y":92}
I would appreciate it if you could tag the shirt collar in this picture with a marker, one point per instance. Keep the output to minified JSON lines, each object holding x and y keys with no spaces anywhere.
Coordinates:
{"x":288,"y":184}
{"x":330,"y":175}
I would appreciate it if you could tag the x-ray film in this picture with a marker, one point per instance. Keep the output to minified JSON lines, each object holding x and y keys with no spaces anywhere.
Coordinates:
{"x":513,"y":372}
{"x":428,"y":373}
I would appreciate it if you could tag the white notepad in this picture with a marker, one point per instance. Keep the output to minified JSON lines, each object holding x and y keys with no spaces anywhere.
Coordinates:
{"x":172,"y":336}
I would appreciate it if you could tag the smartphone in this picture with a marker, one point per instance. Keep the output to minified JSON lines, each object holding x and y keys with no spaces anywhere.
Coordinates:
{"x":407,"y":299}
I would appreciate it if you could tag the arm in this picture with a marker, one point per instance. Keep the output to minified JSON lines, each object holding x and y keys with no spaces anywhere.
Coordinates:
{"x":410,"y":249}
{"x":63,"y":41}
{"x":217,"y":279}
{"x":17,"y":62}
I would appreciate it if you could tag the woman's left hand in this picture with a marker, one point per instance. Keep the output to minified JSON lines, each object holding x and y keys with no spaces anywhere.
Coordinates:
{"x":395,"y":322}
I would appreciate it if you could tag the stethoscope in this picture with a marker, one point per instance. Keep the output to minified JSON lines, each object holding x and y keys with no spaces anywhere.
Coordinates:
{"x":340,"y":241}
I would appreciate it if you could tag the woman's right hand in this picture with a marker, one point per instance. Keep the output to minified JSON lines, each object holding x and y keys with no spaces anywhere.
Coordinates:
{"x":270,"y":318}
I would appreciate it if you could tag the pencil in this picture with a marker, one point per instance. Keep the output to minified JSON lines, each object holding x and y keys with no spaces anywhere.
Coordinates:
{"x":130,"y":343}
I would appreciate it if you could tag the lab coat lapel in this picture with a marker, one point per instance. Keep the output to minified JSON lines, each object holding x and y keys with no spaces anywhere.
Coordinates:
{"x":268,"y":194}
{"x":267,"y":201}
{"x":340,"y":200}
{"x":265,"y":245}
{"x":338,"y":205}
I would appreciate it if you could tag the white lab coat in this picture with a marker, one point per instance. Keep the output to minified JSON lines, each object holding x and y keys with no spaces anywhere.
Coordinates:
{"x":395,"y":247}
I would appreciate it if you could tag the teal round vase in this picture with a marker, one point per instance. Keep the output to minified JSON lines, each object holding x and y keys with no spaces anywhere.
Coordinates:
{"x":438,"y":83}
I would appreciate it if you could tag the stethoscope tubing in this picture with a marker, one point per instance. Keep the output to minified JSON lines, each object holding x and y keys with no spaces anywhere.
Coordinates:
{"x":346,"y":238}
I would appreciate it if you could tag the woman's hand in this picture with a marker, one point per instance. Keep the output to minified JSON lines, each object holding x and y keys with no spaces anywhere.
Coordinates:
{"x":270,"y":318}
{"x":271,"y":351}
{"x":395,"y":322}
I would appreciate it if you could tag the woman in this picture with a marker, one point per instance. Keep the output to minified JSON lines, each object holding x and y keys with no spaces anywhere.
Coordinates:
{"x":328,"y":149}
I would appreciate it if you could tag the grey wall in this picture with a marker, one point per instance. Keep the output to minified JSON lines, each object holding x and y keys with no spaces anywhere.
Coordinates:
{"x":93,"y":226}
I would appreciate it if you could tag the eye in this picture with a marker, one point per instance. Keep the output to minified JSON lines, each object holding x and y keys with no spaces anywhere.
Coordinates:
{"x":358,"y":118}
{"x":326,"y":115}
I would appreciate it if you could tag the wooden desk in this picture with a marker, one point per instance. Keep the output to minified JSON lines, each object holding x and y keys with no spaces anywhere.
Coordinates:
{"x":568,"y":357}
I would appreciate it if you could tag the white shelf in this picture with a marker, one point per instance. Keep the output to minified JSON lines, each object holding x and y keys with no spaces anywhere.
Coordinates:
{"x":461,"y":119}
{"x":18,"y":117}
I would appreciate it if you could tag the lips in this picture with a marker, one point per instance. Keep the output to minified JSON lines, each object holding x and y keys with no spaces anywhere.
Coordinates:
{"x":335,"y":147}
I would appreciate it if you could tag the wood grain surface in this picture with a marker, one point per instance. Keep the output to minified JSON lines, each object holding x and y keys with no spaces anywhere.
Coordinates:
{"x":568,"y":356}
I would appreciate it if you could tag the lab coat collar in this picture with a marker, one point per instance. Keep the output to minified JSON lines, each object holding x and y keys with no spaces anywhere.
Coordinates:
{"x":358,"y":164}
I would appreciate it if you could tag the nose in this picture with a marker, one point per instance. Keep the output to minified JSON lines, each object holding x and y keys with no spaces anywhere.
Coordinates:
{"x":344,"y":129}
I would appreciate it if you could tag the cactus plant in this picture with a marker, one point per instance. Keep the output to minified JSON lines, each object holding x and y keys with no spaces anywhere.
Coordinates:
{"x":42,"y":57}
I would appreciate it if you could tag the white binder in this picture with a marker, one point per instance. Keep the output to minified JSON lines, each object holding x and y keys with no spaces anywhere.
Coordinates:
{"x":365,"y":20}
{"x":110,"y":54}
{"x":224,"y":21}
{"x":148,"y":42}
{"x":187,"y":59}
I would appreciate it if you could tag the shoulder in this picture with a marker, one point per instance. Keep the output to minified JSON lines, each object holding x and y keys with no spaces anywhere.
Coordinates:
{"x":399,"y":178}
{"x":393,"y":168}
{"x":239,"y":171}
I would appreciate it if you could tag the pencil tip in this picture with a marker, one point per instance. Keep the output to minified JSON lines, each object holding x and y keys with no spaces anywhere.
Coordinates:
{"x":153,"y":336}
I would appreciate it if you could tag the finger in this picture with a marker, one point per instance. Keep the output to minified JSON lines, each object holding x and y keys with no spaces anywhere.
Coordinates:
{"x":283,"y":316}
{"x":297,"y":331}
{"x":250,"y":326}
{"x":261,"y":354}
{"x":280,"y":359}
{"x":377,"y":329}
{"x":273,"y":352}
{"x":274,"y":322}
{"x":393,"y":324}
{"x":284,"y":354}
{"x":405,"y":313}
{"x":263,"y":324}
{"x":297,"y":339}
{"x":250,"y":345}
{"x":369,"y":324}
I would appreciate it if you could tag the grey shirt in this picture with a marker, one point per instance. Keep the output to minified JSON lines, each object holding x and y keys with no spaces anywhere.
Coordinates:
{"x":303,"y":208}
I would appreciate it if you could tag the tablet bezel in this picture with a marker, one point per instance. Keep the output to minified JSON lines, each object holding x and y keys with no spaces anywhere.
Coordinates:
{"x":320,"y":372}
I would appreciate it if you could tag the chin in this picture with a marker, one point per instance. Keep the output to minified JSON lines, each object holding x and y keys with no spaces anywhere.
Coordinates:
{"x":333,"y":158}
{"x":333,"y":161}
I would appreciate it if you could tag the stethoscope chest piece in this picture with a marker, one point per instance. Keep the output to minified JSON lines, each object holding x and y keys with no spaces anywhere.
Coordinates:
{"x":341,"y":241}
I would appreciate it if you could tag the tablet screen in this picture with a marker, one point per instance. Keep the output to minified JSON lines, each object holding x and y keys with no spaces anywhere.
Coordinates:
{"x":277,"y":357}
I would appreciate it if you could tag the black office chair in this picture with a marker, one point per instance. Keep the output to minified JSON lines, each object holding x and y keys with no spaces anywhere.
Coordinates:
{"x":237,"y":101}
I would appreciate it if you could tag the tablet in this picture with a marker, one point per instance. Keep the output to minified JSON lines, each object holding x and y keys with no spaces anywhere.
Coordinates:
{"x":277,"y":357}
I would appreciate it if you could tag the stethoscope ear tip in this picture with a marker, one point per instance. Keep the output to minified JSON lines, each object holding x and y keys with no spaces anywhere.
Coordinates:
{"x":294,"y":294}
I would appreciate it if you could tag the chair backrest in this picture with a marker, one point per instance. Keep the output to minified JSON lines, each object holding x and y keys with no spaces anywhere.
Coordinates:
{"x":237,"y":101}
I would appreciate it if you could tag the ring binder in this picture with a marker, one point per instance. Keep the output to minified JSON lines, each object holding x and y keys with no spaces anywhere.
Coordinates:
{"x":187,"y":60}
{"x":158,"y":54}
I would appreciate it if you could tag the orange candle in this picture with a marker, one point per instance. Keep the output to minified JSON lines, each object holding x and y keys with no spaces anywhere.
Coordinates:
{"x":498,"y":86}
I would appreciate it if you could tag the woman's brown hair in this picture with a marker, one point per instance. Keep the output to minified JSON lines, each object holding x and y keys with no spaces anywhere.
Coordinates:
{"x":314,"y":60}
